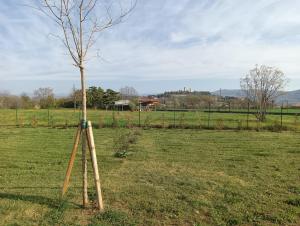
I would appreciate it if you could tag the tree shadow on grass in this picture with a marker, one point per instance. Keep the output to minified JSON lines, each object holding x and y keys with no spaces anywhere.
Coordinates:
{"x":55,"y":215}
{"x":51,"y":203}
{"x":35,"y":187}
{"x":41,"y":200}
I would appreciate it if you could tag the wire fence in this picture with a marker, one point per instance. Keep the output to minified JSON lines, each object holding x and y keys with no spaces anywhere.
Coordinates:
{"x":209,"y":118}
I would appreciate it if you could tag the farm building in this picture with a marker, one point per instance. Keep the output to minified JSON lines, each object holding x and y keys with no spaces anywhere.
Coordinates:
{"x":122,"y":105}
{"x":148,"y":103}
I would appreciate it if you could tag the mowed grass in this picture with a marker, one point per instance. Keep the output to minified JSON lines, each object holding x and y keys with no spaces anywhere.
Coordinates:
{"x":193,"y":119}
{"x":171,"y":177}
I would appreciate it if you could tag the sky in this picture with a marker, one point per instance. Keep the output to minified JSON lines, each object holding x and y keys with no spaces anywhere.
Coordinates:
{"x":162,"y":45}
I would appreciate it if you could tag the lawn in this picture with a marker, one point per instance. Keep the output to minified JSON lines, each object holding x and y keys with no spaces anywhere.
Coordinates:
{"x":170,"y":177}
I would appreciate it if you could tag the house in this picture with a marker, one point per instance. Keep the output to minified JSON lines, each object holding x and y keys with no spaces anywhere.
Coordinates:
{"x":148,"y":103}
{"x":122,"y":105}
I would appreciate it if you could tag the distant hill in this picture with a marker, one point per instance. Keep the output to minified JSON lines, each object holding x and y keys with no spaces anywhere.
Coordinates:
{"x":230,"y":93}
{"x":292,"y":97}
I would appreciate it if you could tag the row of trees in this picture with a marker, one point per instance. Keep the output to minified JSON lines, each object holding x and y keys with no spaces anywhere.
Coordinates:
{"x":45,"y":98}
{"x":42,"y":98}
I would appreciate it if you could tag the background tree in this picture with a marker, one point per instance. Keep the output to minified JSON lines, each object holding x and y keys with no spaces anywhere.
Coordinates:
{"x":128,"y":93}
{"x":261,"y":86}
{"x":95,"y":97}
{"x":76,"y":97}
{"x":44,"y":97}
{"x":81,"y":21}
{"x":110,"y":97}
{"x":25,"y":101}
{"x":9,"y":101}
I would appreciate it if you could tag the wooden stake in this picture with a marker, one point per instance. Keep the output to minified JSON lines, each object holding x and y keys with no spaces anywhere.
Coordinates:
{"x":71,"y":161}
{"x":92,"y":149}
{"x":85,"y":200}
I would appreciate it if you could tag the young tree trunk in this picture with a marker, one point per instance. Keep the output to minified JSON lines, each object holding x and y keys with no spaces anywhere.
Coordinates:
{"x":84,"y":144}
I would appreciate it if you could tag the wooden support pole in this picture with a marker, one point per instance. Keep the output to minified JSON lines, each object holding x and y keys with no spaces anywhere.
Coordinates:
{"x":71,"y":161}
{"x":92,"y":149}
{"x":85,"y":197}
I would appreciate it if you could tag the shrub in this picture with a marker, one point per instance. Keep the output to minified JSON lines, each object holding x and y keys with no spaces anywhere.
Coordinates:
{"x":239,"y":125}
{"x":52,"y":121}
{"x":114,"y":120}
{"x":276,"y":127}
{"x":129,"y":121}
{"x":122,"y":141}
{"x":21,"y":122}
{"x":219,"y":124}
{"x":121,"y":144}
{"x":199,"y":120}
{"x":34,"y":121}
{"x":181,"y":120}
{"x":147,"y":121}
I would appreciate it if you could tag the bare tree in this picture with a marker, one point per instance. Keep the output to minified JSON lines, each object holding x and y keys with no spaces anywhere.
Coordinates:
{"x":45,"y":97}
{"x":128,"y":93}
{"x":81,"y":21}
{"x":262,"y":86}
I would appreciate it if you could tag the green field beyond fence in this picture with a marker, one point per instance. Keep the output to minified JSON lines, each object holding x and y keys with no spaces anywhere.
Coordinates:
{"x":239,"y":119}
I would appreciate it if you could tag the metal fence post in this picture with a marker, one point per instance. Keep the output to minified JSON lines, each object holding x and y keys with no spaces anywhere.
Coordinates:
{"x":174,"y":118}
{"x":248,"y":115}
{"x":48,"y":117}
{"x":281,"y":116}
{"x":17,"y":119}
{"x":208,"y":121}
{"x":140,"y":108}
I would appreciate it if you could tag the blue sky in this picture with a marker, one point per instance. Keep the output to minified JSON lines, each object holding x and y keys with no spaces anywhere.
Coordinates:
{"x":163,"y":45}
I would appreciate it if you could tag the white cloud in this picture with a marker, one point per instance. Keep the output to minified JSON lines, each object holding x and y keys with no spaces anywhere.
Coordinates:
{"x":163,"y":39}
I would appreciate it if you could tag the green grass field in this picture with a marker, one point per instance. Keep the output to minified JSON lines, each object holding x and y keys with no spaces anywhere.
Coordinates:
{"x":197,"y":119}
{"x":170,"y":177}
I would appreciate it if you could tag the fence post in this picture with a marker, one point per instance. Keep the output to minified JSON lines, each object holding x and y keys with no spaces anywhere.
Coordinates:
{"x":17,"y":119}
{"x":48,"y":117}
{"x":248,"y":115}
{"x":140,"y":108}
{"x":208,"y":122}
{"x":174,"y":118}
{"x":281,"y":116}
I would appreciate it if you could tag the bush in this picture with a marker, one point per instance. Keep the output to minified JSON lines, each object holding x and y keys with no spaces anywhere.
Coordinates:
{"x":122,"y":141}
{"x":181,"y":120}
{"x":34,"y":121}
{"x":219,"y":124}
{"x":114,"y":120}
{"x":100,"y":122}
{"x":129,"y":123}
{"x":239,"y":125}
{"x":275,"y":127}
{"x":147,"y":121}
